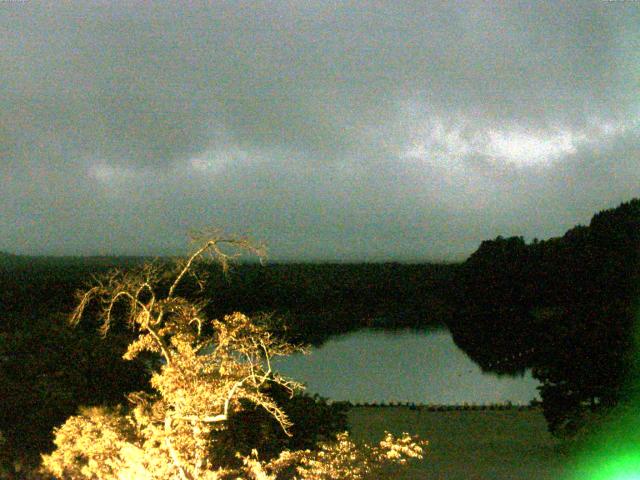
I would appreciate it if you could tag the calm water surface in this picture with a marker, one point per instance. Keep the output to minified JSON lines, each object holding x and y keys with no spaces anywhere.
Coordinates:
{"x":408,"y":366}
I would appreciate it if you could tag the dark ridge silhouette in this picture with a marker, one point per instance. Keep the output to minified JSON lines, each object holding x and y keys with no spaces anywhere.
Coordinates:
{"x":564,"y":307}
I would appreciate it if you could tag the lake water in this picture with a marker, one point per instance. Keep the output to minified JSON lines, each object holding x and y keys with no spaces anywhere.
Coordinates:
{"x":406,"y":366}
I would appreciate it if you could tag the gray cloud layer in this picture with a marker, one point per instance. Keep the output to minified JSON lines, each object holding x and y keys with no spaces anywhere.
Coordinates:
{"x":335,"y":130}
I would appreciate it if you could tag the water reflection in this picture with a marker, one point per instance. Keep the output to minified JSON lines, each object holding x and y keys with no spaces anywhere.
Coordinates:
{"x":408,"y":366}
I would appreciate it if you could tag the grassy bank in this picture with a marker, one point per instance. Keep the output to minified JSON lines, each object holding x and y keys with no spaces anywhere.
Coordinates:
{"x":470,"y":444}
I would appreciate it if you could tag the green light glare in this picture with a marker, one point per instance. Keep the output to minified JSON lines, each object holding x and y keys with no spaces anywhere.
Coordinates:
{"x":612,"y":456}
{"x":625,"y":467}
{"x":612,"y":451}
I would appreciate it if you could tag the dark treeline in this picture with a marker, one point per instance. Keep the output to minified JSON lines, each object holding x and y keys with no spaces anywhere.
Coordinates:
{"x":564,"y":307}
{"x":316,"y":301}
{"x":313,"y":301}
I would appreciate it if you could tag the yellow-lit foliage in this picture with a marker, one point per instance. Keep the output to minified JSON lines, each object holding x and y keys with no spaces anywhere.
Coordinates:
{"x":211,"y":369}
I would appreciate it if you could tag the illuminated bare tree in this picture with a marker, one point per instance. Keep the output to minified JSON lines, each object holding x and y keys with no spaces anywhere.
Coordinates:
{"x":209,"y":370}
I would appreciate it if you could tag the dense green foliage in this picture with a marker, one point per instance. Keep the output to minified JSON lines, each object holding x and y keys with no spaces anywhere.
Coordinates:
{"x":564,"y":307}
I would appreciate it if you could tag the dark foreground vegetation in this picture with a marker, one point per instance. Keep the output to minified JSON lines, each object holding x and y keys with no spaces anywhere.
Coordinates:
{"x":564,"y":307}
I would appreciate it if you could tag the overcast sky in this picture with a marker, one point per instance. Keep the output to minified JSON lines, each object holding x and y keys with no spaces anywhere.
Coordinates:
{"x":329,"y":130}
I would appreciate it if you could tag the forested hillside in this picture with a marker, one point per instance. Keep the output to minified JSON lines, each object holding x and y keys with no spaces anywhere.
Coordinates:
{"x":314,"y":301}
{"x":564,"y":307}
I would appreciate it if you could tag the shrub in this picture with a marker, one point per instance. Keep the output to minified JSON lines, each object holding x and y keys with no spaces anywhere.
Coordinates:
{"x":215,"y":410}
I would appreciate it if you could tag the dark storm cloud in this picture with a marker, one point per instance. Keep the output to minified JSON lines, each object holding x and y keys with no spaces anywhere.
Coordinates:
{"x":328,"y":129}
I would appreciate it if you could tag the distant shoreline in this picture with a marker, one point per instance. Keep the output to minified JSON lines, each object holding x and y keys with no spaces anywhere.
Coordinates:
{"x":443,"y":408}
